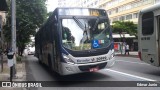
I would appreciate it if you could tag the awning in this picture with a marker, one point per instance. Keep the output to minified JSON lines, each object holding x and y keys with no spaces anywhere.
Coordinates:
{"x":3,"y":5}
{"x":123,"y":35}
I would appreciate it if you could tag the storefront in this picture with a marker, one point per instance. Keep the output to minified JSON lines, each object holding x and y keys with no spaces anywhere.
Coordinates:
{"x":125,"y":39}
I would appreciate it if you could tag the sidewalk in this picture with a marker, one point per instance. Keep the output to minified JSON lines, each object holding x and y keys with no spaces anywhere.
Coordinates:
{"x":131,"y":54}
{"x":21,"y":73}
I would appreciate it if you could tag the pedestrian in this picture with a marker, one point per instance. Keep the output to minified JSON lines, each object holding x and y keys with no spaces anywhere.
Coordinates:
{"x":127,"y":49}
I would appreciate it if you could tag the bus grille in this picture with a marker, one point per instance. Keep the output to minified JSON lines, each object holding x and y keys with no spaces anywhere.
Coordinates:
{"x":87,"y":67}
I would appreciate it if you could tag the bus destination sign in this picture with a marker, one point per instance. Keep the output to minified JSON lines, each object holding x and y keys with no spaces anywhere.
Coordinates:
{"x":82,"y":12}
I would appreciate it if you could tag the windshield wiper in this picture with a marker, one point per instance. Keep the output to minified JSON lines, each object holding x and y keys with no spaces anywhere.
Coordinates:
{"x":96,"y":23}
{"x":79,"y":23}
{"x":83,"y":27}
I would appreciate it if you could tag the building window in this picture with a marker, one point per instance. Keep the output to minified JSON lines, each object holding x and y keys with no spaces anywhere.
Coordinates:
{"x":116,"y":10}
{"x":121,"y":18}
{"x":109,"y":12}
{"x":91,"y":4}
{"x":96,"y":2}
{"x":121,"y":0}
{"x":128,"y":6}
{"x":157,"y":1}
{"x":128,"y":16}
{"x":134,"y":5}
{"x":120,"y":9}
{"x":115,"y":19}
{"x":135,"y":15}
{"x":147,"y":23}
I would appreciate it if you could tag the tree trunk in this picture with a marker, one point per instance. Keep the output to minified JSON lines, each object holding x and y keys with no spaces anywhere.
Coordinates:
{"x":21,"y":51}
{"x":1,"y":62}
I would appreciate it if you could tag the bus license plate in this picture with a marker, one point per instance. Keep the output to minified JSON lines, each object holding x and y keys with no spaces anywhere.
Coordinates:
{"x":93,"y":69}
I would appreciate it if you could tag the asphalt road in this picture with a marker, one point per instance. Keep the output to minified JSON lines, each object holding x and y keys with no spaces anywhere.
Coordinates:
{"x":125,"y":69}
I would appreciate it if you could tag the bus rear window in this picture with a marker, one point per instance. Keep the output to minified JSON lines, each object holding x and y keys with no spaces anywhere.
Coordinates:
{"x":147,"y":23}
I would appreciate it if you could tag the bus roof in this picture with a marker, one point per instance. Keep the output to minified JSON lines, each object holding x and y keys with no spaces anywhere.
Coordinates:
{"x":78,"y":8}
{"x":151,"y":8}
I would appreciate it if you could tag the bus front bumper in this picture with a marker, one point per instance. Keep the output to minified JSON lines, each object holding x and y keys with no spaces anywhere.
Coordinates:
{"x":67,"y":69}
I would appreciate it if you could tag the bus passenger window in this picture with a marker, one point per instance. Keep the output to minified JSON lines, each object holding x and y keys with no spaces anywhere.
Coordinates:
{"x":147,"y":23}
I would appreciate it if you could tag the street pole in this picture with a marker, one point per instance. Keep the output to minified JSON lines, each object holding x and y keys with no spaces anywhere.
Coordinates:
{"x":1,"y":61}
{"x":13,"y":30}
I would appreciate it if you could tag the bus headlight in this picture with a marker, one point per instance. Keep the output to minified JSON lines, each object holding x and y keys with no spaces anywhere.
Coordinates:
{"x":111,"y":56}
{"x":67,"y":59}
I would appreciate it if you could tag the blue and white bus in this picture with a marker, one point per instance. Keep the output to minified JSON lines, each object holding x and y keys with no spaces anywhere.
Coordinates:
{"x":75,"y":40}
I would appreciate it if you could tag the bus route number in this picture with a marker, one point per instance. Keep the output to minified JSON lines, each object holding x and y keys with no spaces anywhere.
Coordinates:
{"x":94,"y":13}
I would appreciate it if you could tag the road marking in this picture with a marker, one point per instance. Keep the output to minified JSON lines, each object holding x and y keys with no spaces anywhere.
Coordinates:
{"x":132,"y":62}
{"x":122,"y":73}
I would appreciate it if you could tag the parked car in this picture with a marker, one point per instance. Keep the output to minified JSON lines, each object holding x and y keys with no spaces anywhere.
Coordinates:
{"x":31,"y":50}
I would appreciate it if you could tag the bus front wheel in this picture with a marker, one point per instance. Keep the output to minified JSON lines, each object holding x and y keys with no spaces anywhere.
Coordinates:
{"x":49,"y":63}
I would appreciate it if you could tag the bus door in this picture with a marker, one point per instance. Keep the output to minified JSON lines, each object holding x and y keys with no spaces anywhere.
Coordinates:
{"x":158,"y":28}
{"x":149,"y":51}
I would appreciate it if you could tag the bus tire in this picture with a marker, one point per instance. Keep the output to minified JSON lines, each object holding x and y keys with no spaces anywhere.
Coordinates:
{"x":49,"y":63}
{"x":39,"y":60}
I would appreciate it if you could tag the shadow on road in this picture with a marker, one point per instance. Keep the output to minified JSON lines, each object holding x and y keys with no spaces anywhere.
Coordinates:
{"x":81,"y":79}
{"x":87,"y":76}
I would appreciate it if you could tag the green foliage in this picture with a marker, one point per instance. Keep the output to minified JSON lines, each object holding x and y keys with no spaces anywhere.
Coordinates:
{"x":19,"y":58}
{"x":121,"y":27}
{"x":124,"y":26}
{"x":30,"y":15}
{"x":49,"y":13}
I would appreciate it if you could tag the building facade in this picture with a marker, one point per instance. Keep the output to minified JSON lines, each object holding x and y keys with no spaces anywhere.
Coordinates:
{"x":61,"y":3}
{"x":124,"y":10}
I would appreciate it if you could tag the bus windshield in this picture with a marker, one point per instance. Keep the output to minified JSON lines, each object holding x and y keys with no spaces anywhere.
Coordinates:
{"x":85,"y":33}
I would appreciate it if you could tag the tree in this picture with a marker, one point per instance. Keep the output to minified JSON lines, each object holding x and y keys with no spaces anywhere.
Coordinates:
{"x":121,"y":27}
{"x":30,"y":15}
{"x":125,"y":26}
{"x":49,"y":13}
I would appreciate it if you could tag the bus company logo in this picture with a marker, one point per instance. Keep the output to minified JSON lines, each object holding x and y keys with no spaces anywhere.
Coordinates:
{"x":6,"y":84}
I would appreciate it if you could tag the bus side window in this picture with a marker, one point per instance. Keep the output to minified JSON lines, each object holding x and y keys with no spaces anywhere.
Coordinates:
{"x":54,"y":26}
{"x":148,"y":23}
{"x":55,"y":21}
